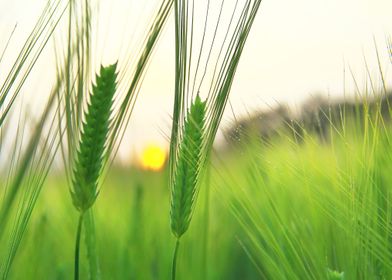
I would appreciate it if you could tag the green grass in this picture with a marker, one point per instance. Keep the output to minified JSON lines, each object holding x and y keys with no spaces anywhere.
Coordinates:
{"x":315,"y":207}
{"x":279,"y":210}
{"x":283,"y":208}
{"x":133,"y":240}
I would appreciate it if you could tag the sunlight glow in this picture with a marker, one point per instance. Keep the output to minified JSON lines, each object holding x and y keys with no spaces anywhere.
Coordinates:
{"x":153,"y":157}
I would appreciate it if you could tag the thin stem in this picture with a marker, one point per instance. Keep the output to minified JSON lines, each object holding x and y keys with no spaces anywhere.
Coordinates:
{"x":91,"y":247}
{"x":206,"y":222}
{"x":77,"y":247}
{"x":174,"y":266}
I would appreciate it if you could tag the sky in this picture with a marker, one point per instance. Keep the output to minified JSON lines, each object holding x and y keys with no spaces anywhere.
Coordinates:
{"x":295,"y":49}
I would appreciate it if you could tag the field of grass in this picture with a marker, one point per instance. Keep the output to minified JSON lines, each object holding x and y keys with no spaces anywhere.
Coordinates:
{"x":281,"y":209}
{"x":133,"y":232}
{"x":292,"y":203}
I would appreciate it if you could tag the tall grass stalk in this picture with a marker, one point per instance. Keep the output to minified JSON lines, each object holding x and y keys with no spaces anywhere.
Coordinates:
{"x":320,"y":210}
{"x":206,"y":218}
{"x":77,"y":246}
{"x":202,"y":68}
{"x":187,"y":171}
{"x":91,"y":150}
{"x":32,"y":158}
{"x":78,"y":64}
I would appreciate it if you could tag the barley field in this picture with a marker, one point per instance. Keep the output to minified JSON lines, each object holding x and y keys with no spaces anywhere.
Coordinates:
{"x":279,"y":192}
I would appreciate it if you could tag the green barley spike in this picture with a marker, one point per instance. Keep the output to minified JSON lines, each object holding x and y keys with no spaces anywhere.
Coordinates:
{"x":91,"y":150}
{"x":187,"y":169}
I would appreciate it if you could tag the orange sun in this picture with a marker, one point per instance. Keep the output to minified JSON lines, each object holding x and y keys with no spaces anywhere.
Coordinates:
{"x":153,"y":157}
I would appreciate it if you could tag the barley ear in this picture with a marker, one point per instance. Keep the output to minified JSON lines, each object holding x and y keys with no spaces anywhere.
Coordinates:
{"x":184,"y":186}
{"x":91,"y":151}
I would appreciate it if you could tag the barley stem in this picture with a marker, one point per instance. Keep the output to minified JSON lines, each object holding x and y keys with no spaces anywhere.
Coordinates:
{"x":174,"y":266}
{"x":206,"y":224}
{"x":77,"y":247}
{"x":91,"y":247}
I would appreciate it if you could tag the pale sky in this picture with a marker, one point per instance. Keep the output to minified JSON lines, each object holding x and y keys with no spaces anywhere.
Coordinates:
{"x":295,"y":49}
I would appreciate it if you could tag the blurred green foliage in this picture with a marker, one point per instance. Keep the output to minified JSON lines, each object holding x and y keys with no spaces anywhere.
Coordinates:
{"x":278,"y":209}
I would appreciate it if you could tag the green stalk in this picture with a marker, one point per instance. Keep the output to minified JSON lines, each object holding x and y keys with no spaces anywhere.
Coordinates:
{"x":206,"y":224}
{"x":89,"y":160}
{"x":77,"y":247}
{"x":90,"y":242}
{"x":174,"y":263}
{"x":194,"y":128}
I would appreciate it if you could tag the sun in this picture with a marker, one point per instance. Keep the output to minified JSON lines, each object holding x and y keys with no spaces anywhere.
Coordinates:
{"x":153,"y":157}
